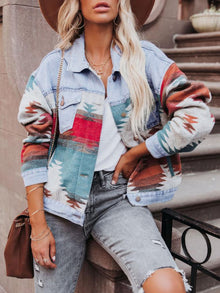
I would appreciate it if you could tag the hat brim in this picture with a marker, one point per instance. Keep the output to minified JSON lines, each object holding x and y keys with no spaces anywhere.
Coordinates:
{"x":50,"y":9}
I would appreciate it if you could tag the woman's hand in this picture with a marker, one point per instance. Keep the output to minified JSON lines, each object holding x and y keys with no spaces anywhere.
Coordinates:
{"x":128,"y":161}
{"x":44,"y":250}
{"x":43,"y":247}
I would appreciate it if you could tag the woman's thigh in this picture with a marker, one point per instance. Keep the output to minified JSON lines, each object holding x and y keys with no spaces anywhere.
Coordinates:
{"x":130,"y":235}
{"x":70,"y":251}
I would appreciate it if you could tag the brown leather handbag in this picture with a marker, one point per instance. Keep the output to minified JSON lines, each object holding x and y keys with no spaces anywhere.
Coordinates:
{"x":18,"y":254}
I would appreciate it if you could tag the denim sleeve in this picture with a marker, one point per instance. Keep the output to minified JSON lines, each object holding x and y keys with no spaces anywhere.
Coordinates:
{"x":157,"y":64}
{"x":189,"y":118}
{"x":36,"y":116}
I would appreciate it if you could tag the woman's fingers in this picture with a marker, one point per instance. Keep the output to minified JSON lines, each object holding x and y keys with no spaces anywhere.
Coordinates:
{"x":44,"y":251}
{"x":118,"y":170}
{"x":48,"y":252}
{"x":38,"y":259}
{"x":46,"y":262}
{"x":43,"y":259}
{"x":53,"y":250}
{"x":115,"y":177}
{"x":126,"y":165}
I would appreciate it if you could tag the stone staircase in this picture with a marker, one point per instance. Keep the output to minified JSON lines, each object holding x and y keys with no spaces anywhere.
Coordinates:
{"x":207,"y":54}
{"x":198,"y":56}
{"x":197,"y":40}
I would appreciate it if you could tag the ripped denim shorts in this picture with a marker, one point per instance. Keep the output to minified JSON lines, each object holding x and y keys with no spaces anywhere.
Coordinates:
{"x":128,"y":233}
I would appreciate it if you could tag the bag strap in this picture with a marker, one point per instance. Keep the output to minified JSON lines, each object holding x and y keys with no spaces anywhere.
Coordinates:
{"x":53,"y":138}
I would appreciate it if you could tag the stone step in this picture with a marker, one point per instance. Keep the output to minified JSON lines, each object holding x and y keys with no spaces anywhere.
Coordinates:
{"x":194,"y":54}
{"x":209,"y":146}
{"x":215,"y":289}
{"x":207,"y":212}
{"x":197,"y":188}
{"x":216,"y":112}
{"x":201,"y":71}
{"x":197,"y":40}
{"x":215,"y":90}
{"x":206,"y":157}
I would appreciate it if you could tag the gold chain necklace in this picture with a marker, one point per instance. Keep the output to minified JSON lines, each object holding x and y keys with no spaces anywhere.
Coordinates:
{"x":99,"y":71}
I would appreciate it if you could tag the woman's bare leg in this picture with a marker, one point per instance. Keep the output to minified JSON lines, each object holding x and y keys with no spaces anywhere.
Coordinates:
{"x":164,"y":281}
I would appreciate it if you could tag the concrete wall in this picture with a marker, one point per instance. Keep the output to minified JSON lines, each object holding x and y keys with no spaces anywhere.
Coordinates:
{"x":24,"y":39}
{"x":11,"y":185}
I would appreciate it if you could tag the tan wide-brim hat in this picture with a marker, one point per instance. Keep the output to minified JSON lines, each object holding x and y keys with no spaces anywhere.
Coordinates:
{"x":50,"y":8}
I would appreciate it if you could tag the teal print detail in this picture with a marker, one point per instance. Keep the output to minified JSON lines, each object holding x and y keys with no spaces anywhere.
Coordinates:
{"x":89,"y":109}
{"x":163,"y":136}
{"x":190,"y":147}
{"x":170,"y":166}
{"x":121,"y":112}
{"x":30,"y":83}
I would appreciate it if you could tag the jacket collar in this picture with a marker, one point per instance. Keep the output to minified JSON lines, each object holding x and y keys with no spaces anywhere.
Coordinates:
{"x":76,"y":59}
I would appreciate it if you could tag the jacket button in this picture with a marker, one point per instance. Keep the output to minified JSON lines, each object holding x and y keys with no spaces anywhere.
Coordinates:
{"x":123,"y":115}
{"x":138,"y":199}
{"x":114,"y":77}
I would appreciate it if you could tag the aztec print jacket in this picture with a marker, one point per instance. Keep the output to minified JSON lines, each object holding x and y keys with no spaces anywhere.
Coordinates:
{"x":179,"y":121}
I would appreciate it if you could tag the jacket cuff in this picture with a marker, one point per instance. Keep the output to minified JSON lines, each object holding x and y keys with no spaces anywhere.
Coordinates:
{"x":154,"y":147}
{"x":35,"y":176}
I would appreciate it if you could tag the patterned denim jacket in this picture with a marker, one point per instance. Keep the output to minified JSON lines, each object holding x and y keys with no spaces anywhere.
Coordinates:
{"x":178,"y":122}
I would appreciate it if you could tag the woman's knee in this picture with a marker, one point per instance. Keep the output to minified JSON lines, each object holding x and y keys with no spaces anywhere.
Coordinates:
{"x":165,"y":280}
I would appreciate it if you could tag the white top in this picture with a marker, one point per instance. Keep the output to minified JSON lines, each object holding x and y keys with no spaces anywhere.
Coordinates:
{"x":111,"y":146}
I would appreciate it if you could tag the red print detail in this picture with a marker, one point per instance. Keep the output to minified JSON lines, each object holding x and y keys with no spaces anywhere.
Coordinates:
{"x":33,"y":106}
{"x":189,"y":127}
{"x":87,"y":129}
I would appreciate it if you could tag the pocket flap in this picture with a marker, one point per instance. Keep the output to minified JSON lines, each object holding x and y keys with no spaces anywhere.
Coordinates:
{"x":69,"y":98}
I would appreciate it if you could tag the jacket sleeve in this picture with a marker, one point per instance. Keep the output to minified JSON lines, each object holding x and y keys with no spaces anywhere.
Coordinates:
{"x":189,"y":118}
{"x":35,"y":114}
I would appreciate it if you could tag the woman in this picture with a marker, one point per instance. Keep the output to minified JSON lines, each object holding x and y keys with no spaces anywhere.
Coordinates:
{"x":125,"y":112}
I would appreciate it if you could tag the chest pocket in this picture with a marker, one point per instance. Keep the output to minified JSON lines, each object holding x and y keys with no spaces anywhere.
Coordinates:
{"x":68,"y":105}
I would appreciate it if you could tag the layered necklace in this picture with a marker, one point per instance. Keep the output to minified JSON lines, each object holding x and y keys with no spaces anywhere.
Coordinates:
{"x":99,"y":68}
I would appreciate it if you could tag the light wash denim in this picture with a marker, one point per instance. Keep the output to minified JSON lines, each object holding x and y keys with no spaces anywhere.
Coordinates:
{"x":126,"y":232}
{"x":178,"y":121}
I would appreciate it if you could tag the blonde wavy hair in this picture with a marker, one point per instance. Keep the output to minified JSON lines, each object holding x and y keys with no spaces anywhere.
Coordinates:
{"x":132,"y":64}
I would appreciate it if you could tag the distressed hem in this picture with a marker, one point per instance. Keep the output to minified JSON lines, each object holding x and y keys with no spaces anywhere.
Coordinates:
{"x":188,"y":288}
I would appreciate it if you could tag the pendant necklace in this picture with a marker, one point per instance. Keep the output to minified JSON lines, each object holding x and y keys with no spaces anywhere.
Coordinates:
{"x":99,"y":68}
